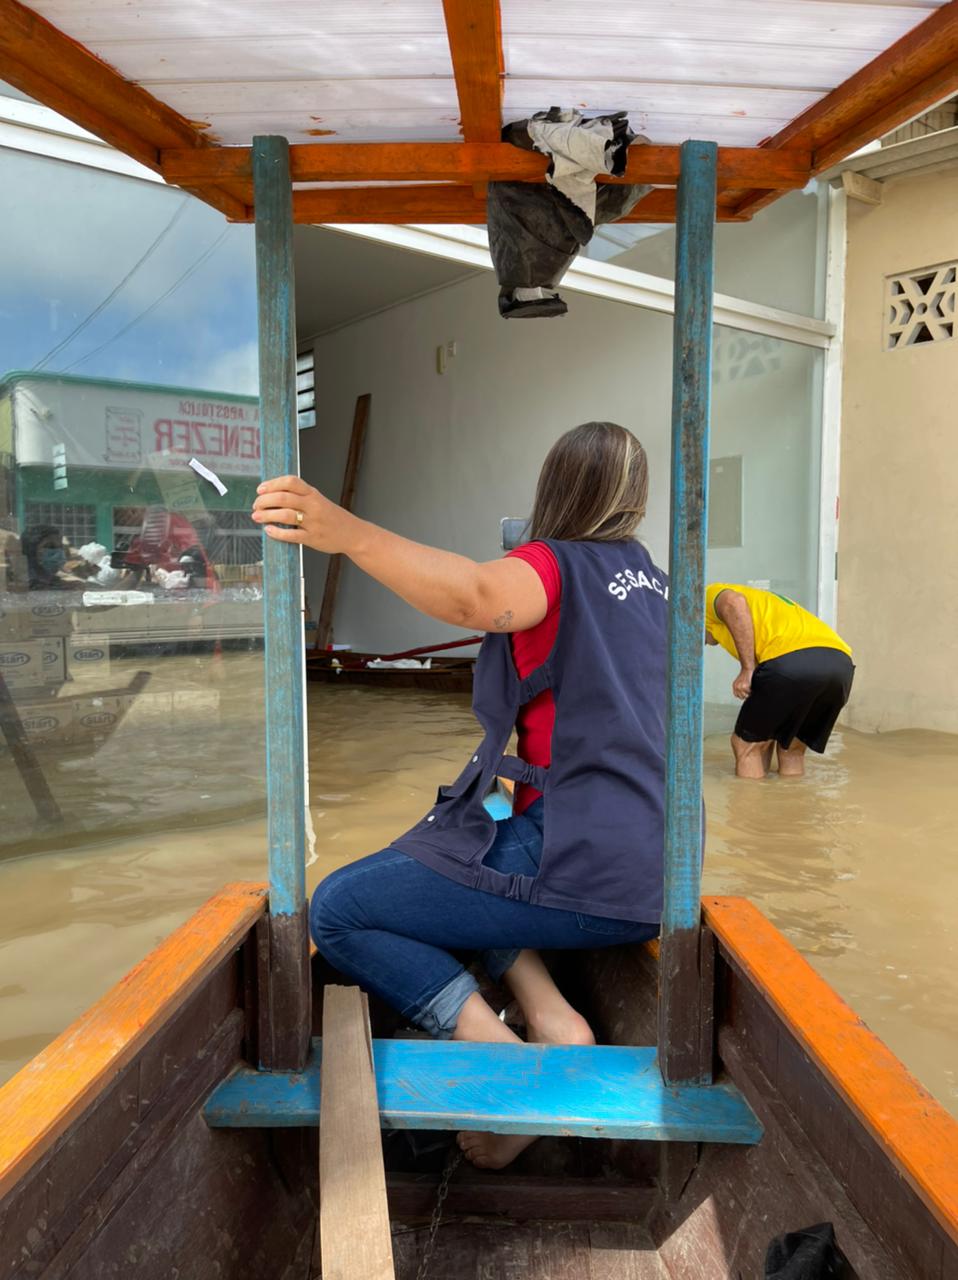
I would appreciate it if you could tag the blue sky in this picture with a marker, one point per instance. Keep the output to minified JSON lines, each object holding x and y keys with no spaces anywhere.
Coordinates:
{"x":71,"y":234}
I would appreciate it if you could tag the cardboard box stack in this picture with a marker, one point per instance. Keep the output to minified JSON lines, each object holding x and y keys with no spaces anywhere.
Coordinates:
{"x":31,"y":664}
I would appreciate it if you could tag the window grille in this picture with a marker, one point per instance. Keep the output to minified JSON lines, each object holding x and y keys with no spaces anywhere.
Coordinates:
{"x":920,"y":306}
{"x":306,"y":389}
{"x":77,"y":523}
{"x":228,"y":537}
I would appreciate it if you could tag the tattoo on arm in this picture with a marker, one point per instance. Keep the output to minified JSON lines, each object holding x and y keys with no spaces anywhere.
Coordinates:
{"x":503,"y":620}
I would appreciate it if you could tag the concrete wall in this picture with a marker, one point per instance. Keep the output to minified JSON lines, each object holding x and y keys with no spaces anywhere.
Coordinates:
{"x":898,"y":567}
{"x":447,"y":455}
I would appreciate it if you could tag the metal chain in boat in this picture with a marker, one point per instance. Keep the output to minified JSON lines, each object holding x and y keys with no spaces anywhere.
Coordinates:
{"x":453,"y":1160}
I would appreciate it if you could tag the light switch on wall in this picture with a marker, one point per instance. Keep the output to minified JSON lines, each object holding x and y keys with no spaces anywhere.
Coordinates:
{"x":445,"y":353}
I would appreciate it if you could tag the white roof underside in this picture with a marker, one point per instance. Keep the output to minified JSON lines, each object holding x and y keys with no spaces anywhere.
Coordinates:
{"x":734,"y":71}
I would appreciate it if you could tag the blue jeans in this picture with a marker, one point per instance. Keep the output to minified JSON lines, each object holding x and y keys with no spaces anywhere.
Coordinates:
{"x":390,"y":924}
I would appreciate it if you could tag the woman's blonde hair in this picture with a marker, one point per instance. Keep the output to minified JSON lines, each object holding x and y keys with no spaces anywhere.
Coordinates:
{"x":593,"y":486}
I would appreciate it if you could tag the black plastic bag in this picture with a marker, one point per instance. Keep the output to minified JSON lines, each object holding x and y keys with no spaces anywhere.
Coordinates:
{"x":535,"y":229}
{"x":809,"y":1254}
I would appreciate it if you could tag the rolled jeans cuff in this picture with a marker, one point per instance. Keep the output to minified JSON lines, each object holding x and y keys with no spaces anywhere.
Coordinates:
{"x":439,"y":1017}
{"x":496,"y":963}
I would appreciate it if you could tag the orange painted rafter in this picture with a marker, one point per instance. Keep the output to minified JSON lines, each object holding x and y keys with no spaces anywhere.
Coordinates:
{"x":469,"y":162}
{"x":54,"y":1088}
{"x":659,"y":206}
{"x":912,"y":75}
{"x":474,"y":28}
{"x":442,"y":204}
{"x":915,"y":1131}
{"x":62,"y":74}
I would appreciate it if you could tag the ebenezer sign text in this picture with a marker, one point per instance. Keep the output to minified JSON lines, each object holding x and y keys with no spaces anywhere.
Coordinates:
{"x":127,"y":427}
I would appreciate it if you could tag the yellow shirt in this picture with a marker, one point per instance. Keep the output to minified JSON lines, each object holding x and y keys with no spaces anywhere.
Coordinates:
{"x":781,"y":626}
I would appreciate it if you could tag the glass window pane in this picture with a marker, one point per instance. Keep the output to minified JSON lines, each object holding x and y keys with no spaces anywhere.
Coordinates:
{"x":763,"y":520}
{"x":131,"y":625}
{"x":777,"y":259}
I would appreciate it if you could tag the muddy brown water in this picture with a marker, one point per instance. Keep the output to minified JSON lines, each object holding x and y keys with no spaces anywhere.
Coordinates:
{"x":855,"y":863}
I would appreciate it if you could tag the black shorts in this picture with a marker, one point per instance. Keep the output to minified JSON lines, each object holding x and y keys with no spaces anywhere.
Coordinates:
{"x":798,"y":695}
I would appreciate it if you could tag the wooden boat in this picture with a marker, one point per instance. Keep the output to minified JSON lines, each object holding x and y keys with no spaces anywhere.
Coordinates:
{"x":135,"y":1145}
{"x":443,"y":675}
{"x":172,"y":1130}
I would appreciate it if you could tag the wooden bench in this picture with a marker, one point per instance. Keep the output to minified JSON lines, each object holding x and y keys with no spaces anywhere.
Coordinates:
{"x":596,"y":1091}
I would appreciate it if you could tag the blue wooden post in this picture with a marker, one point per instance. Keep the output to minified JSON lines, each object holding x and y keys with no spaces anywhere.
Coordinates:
{"x":684,"y":1003}
{"x":283,"y":955}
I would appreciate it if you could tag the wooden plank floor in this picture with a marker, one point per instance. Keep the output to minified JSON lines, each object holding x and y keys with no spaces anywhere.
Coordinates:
{"x":535,"y":1251}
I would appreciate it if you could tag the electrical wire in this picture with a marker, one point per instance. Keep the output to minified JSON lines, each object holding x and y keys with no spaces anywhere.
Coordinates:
{"x":180,"y":210}
{"x":153,"y":305}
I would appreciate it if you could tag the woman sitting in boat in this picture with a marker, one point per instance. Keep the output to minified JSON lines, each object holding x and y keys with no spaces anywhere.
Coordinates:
{"x":575,"y":660}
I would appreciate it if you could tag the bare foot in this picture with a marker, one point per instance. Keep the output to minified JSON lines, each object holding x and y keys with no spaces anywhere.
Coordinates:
{"x":493,"y":1150}
{"x":550,"y":1019}
{"x":558,"y":1026}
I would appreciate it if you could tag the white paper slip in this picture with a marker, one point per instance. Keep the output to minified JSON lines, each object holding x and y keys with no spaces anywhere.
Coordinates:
{"x":92,"y":599}
{"x":207,"y":474}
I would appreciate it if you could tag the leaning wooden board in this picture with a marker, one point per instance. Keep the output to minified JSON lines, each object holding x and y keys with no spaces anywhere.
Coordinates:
{"x":354,"y":1216}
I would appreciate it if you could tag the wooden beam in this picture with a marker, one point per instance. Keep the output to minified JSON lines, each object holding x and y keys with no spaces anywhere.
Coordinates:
{"x":474,"y":28}
{"x":917,"y":71}
{"x":469,"y":162}
{"x":447,"y":204}
{"x":523,"y":1198}
{"x":38,"y":1103}
{"x":286,"y":976}
{"x":860,"y":187}
{"x":324,"y":628}
{"x":660,"y":206}
{"x":354,"y":1227}
{"x":40,"y":60}
{"x":914,"y":1130}
{"x":684,"y":1000}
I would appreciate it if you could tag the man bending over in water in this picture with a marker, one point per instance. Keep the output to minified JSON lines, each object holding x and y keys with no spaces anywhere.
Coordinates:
{"x":796,"y":675}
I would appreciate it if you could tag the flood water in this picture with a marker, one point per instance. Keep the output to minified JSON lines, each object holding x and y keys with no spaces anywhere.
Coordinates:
{"x":855,"y":863}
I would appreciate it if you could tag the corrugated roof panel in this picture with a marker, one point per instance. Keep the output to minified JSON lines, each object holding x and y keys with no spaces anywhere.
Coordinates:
{"x":816,"y":24}
{"x":339,"y":126}
{"x":302,"y":110}
{"x":668,"y":59}
{"x":108,"y":20}
{"x":669,"y":113}
{"x":731,"y":70}
{"x":361,"y":70}
{"x":282,"y":58}
{"x":380,"y":70}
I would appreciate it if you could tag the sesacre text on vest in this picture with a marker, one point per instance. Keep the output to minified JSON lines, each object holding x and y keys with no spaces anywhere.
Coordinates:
{"x":627,"y":580}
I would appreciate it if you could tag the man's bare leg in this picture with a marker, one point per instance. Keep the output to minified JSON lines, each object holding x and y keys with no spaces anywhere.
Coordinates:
{"x":550,"y":1019}
{"x":791,"y":760}
{"x":752,"y":759}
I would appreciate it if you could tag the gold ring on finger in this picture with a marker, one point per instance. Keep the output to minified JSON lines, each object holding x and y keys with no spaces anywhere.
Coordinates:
{"x":299,"y":517}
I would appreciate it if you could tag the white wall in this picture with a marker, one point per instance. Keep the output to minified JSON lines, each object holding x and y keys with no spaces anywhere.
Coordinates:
{"x":447,"y":455}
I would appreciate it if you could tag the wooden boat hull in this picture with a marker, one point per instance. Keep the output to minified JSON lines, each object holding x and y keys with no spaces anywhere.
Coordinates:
{"x":107,"y":1165}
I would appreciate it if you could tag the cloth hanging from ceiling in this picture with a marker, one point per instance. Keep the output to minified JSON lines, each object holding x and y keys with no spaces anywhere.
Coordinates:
{"x":536,"y":230}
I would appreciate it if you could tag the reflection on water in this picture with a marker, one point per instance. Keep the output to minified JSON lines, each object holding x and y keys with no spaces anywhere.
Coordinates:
{"x":854,"y":863}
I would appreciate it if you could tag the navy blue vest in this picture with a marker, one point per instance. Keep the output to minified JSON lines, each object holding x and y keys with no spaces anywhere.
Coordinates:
{"x":605,"y":789}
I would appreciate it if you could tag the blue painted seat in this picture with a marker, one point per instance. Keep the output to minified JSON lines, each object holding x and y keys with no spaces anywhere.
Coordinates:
{"x":599,"y":1091}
